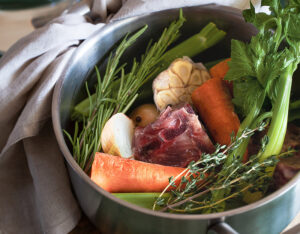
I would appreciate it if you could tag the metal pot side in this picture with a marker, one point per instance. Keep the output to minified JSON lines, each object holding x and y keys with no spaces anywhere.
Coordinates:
{"x":112,"y":215}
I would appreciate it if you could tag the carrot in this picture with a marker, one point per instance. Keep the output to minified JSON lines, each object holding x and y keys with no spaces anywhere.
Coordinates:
{"x":213,"y":102}
{"x":116,"y":174}
{"x":220,"y":69}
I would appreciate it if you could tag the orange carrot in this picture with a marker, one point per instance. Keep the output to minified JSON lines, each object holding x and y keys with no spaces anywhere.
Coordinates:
{"x":116,"y":174}
{"x":220,"y":69}
{"x":213,"y":102}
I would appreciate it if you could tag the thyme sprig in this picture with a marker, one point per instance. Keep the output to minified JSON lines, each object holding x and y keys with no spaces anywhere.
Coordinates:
{"x":117,"y":91}
{"x":202,"y":178}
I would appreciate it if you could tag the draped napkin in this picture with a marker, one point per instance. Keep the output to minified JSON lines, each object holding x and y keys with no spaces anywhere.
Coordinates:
{"x":35,"y":192}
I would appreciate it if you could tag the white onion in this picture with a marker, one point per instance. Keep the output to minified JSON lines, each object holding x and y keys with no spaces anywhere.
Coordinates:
{"x":117,"y":135}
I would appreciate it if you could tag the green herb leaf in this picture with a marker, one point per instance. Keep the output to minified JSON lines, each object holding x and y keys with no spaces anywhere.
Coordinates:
{"x":241,"y":63}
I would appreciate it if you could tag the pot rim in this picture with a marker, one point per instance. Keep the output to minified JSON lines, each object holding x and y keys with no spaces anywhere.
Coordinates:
{"x":68,"y":156}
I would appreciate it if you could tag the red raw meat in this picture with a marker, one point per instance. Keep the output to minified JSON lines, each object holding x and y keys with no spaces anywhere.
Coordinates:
{"x":175,"y":139}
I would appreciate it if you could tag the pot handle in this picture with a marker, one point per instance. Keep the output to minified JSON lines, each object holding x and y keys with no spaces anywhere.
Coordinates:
{"x":220,"y":228}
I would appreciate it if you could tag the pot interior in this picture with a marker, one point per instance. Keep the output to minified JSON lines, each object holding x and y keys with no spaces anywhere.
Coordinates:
{"x":94,"y":52}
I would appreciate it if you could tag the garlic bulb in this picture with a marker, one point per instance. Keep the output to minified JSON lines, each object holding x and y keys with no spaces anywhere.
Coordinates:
{"x":176,"y":84}
{"x":117,"y":135}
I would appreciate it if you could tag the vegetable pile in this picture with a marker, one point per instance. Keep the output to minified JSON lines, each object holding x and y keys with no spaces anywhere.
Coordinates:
{"x":160,"y":155}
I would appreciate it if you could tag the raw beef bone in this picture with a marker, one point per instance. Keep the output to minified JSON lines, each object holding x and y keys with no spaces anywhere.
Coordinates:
{"x":175,"y":139}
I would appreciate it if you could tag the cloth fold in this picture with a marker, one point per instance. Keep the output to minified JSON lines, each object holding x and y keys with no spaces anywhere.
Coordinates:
{"x":36,"y":195}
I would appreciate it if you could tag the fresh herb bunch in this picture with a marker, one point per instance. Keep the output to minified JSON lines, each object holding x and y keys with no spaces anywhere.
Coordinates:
{"x":263,"y":69}
{"x":201,"y":179}
{"x":111,"y":98}
{"x":262,"y":72}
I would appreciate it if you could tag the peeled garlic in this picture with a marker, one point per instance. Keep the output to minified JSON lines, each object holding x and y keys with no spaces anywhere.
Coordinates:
{"x":117,"y":135}
{"x":176,"y":84}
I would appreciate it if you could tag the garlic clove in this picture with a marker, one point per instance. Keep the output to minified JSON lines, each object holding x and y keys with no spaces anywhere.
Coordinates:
{"x":117,"y":134}
{"x":174,"y":81}
{"x":183,"y":69}
{"x":162,"y":82}
{"x":165,"y":97}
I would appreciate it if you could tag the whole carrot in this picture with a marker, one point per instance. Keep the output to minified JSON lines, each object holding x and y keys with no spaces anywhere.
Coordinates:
{"x":213,"y":102}
{"x":116,"y":174}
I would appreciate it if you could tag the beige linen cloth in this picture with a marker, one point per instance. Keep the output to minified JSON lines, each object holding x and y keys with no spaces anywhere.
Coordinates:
{"x":35,"y":192}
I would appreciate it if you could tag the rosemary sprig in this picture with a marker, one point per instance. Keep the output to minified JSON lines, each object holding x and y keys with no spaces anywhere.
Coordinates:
{"x":201,"y":179}
{"x":117,"y":91}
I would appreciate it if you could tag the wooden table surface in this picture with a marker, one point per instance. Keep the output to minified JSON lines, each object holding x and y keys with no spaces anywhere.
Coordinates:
{"x":16,"y":24}
{"x":13,"y":26}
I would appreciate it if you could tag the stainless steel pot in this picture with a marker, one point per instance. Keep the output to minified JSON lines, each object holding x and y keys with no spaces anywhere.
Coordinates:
{"x":112,"y":215}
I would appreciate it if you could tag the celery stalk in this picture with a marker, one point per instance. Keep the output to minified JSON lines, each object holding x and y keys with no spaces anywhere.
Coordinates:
{"x":277,"y":130}
{"x":145,"y":200}
{"x":83,"y":108}
{"x":206,"y":38}
{"x":248,"y":121}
